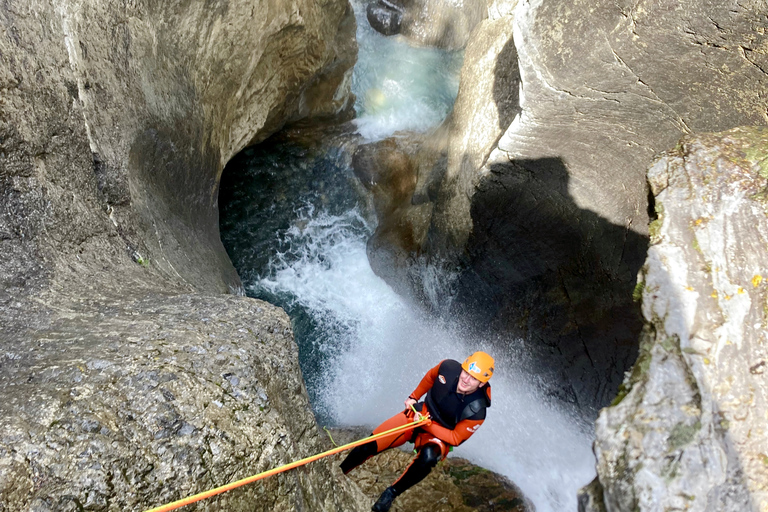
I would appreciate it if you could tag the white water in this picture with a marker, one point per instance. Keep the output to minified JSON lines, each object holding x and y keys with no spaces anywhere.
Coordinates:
{"x":369,"y":348}
{"x":382,"y":347}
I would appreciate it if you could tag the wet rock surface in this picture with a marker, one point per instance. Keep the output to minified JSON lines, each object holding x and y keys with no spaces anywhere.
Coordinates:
{"x":455,"y":485}
{"x":688,"y":429}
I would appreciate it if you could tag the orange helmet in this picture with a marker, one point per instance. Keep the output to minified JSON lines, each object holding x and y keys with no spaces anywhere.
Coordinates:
{"x":479,"y":365}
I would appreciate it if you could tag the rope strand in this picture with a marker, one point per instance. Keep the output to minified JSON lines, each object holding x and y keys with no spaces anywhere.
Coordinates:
{"x":218,"y":490}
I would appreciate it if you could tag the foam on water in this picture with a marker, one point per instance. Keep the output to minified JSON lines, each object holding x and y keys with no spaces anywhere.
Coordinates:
{"x":363,"y":348}
{"x":376,"y":348}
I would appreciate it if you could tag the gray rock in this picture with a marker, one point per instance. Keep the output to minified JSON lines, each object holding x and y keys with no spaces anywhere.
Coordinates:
{"x":127,"y":381}
{"x":120,"y":405}
{"x":117,"y":123}
{"x":688,"y":428}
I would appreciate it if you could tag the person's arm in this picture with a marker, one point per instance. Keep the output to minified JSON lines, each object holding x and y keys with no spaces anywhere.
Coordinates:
{"x":424,"y":386}
{"x":463,"y":431}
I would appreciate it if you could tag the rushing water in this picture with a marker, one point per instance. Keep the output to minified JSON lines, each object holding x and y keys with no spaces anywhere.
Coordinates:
{"x":296,"y":227}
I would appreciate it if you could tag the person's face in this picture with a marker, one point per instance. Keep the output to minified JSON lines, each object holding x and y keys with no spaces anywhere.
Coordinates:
{"x":468,"y":384}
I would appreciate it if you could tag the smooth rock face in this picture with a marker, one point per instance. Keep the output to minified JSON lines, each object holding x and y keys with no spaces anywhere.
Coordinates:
{"x":122,"y":389}
{"x":117,"y":120}
{"x":689,"y":429}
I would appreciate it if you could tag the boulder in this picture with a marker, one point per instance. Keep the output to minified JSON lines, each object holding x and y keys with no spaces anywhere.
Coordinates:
{"x":688,"y":429}
{"x":131,"y":402}
{"x":437,"y":23}
{"x":385,"y":17}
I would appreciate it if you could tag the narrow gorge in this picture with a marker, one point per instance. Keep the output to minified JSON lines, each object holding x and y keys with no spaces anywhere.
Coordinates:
{"x":226,"y":225}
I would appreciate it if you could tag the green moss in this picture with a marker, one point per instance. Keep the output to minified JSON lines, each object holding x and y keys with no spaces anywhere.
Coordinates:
{"x":682,"y":434}
{"x":466,"y":472}
{"x":670,"y":469}
{"x":621,"y":395}
{"x":758,"y":155}
{"x":637,"y":293}
{"x":654,"y":230}
{"x":640,"y":368}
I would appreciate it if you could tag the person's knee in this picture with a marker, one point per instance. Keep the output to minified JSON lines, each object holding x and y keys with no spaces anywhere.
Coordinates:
{"x":430,"y":455}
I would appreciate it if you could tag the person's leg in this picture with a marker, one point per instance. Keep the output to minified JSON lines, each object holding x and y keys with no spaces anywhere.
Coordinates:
{"x":357,"y":456}
{"x":422,"y":464}
{"x":361,"y":453}
{"x":428,"y":457}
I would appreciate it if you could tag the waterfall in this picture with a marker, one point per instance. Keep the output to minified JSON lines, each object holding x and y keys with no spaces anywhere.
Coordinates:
{"x":296,"y":231}
{"x":375,"y":347}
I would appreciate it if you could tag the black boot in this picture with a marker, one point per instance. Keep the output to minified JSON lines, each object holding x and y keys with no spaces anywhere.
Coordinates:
{"x":385,"y":500}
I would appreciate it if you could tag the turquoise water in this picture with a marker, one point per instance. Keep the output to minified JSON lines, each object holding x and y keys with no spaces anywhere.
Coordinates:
{"x":399,"y":87}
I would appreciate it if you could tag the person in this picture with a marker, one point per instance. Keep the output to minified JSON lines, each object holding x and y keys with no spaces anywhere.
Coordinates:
{"x":457,"y":396}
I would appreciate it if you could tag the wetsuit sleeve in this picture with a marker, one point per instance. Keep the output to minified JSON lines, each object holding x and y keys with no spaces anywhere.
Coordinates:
{"x":463,"y":431}
{"x":426,"y":382}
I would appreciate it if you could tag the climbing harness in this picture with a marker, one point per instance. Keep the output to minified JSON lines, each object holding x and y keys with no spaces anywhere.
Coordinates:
{"x":419,"y":420}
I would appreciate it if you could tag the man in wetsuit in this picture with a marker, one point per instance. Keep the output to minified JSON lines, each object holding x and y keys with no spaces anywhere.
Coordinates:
{"x":457,"y":397}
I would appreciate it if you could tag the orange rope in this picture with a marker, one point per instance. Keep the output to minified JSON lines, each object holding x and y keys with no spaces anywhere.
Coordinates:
{"x":213,"y":492}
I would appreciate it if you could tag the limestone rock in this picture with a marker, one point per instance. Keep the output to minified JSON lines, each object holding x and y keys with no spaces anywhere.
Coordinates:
{"x":688,"y":430}
{"x":600,"y":96}
{"x":117,"y":120}
{"x":131,"y":402}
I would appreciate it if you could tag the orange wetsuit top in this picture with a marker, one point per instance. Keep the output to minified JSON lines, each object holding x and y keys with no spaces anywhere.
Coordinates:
{"x":455,"y":416}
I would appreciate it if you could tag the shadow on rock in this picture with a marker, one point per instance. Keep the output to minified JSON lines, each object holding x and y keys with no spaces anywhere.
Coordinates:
{"x":561,"y":277}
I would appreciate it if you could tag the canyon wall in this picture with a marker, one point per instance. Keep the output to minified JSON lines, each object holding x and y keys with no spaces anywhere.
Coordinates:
{"x":535,"y":186}
{"x":687,"y":430}
{"x":129,"y":381}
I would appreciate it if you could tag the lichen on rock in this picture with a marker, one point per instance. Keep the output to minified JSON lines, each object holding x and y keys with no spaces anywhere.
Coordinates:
{"x":690,"y":430}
